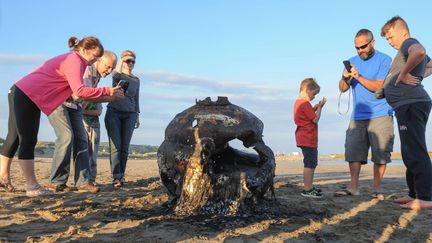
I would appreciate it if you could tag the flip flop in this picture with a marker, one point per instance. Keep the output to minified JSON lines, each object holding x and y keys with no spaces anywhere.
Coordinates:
{"x":378,"y":195}
{"x":7,"y":186}
{"x":404,"y":200}
{"x":417,"y":204}
{"x":344,"y":193}
{"x":39,"y":191}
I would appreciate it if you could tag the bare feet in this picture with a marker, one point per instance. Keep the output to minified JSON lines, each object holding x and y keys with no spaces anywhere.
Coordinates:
{"x":417,"y":204}
{"x":346,"y":192}
{"x":404,"y":200}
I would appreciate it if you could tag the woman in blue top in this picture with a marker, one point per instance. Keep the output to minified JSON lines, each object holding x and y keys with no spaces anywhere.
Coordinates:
{"x":121,"y":117}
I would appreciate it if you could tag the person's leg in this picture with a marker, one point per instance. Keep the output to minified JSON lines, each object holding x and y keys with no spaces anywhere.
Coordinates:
{"x":5,"y":165}
{"x":27,"y":116}
{"x":80,"y":148}
{"x":10,"y":146}
{"x":418,"y":156}
{"x":356,"y":152}
{"x":381,"y":138}
{"x":5,"y":179}
{"x":128,"y":127}
{"x":308,"y":174}
{"x":93,"y":147}
{"x":355,"y":175}
{"x":310,"y":161}
{"x":27,"y":166}
{"x":60,"y":167}
{"x":113,"y":127}
{"x":379,"y":171}
{"x":95,"y":140}
{"x":412,"y":121}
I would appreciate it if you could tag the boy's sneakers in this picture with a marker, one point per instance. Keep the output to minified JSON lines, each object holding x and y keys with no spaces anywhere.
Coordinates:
{"x":317,"y":189}
{"x":314,"y":193}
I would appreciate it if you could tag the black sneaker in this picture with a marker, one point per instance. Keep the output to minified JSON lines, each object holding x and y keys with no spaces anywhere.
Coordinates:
{"x":311,"y":193}
{"x":317,"y":189}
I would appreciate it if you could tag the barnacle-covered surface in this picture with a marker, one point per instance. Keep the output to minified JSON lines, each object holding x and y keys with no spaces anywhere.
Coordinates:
{"x":202,"y":172}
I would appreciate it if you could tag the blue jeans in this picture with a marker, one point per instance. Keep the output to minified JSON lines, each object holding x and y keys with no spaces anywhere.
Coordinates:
{"x":120,"y":126}
{"x":69,"y":129}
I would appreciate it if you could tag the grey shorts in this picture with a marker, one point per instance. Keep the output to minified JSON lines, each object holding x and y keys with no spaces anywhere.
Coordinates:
{"x":376,"y":133}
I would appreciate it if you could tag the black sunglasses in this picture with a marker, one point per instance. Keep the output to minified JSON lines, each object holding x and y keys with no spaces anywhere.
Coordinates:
{"x":363,"y":46}
{"x":129,"y":61}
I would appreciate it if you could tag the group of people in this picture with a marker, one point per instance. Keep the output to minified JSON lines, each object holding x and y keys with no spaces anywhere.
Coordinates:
{"x":381,"y":87}
{"x":65,"y":89}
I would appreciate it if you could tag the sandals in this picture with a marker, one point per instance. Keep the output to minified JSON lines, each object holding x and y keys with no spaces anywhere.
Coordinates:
{"x":7,"y":186}
{"x":344,"y":193}
{"x":38,"y":191}
{"x":117,"y":184}
{"x":378,"y":195}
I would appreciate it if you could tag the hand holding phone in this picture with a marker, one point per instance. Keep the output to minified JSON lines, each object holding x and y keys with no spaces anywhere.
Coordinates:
{"x":347,"y":65}
{"x":124,"y":85}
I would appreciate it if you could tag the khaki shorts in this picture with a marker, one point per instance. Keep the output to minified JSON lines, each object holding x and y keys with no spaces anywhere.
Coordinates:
{"x":376,"y":133}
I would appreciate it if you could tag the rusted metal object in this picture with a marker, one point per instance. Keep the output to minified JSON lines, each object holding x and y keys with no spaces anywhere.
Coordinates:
{"x":202,"y":173}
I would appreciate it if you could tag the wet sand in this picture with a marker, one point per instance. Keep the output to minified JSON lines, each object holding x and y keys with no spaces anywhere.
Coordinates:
{"x":138,"y":212}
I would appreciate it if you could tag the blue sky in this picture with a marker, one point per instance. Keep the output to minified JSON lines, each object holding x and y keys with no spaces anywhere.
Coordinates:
{"x":254,"y":52}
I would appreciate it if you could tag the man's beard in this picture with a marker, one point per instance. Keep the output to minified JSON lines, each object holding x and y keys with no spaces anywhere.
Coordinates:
{"x":369,"y":54}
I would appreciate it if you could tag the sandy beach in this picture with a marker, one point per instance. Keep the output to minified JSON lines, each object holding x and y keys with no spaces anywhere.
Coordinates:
{"x":138,"y":212}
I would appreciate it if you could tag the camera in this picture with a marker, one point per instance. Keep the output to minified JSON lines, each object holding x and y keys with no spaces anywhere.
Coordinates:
{"x":124,"y":85}
{"x":379,"y":93}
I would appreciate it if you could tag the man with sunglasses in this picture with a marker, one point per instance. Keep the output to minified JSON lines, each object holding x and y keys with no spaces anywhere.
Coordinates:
{"x":371,"y":123}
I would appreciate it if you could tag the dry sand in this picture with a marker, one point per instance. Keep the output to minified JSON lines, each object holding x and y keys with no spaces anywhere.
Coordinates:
{"x":137,"y":212}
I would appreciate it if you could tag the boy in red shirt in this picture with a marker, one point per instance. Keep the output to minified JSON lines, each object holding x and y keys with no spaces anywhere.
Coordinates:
{"x":306,"y":118}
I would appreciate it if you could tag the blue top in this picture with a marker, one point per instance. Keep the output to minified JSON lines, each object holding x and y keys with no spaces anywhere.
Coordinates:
{"x":366,"y":106}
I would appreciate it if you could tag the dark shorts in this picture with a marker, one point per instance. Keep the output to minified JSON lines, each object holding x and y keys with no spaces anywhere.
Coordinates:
{"x":310,"y":157}
{"x":376,"y":133}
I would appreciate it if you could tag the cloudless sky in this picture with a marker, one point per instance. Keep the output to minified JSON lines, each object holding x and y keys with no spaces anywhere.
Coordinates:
{"x":254,"y":52}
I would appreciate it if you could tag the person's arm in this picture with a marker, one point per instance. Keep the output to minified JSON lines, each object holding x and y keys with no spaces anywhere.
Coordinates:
{"x":93,"y":109}
{"x":137,"y":123}
{"x":96,"y":112}
{"x":119,"y":66}
{"x":428,"y":70}
{"x":343,"y":85}
{"x":416,"y":54}
{"x":318,"y":110}
{"x":102,"y":99}
{"x":371,"y":85}
{"x":73,"y":71}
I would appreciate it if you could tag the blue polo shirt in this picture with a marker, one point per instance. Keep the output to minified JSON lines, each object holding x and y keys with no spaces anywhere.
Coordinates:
{"x":366,"y":106}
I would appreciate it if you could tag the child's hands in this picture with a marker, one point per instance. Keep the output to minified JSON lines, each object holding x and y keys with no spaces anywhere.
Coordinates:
{"x":322,"y":102}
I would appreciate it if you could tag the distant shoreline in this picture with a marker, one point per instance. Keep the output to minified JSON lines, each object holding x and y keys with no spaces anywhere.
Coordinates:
{"x":326,"y":157}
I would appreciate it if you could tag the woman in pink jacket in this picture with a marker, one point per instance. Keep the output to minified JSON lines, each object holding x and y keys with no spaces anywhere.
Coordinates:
{"x":44,"y":89}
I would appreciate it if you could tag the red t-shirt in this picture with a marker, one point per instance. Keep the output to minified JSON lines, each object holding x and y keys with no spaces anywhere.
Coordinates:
{"x":307,"y":131}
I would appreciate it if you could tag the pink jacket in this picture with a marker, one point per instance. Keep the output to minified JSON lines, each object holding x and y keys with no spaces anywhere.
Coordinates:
{"x":49,"y":85}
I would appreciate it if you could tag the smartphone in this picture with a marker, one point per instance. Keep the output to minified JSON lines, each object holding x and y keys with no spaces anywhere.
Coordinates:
{"x":124,"y":85}
{"x":347,"y":65}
